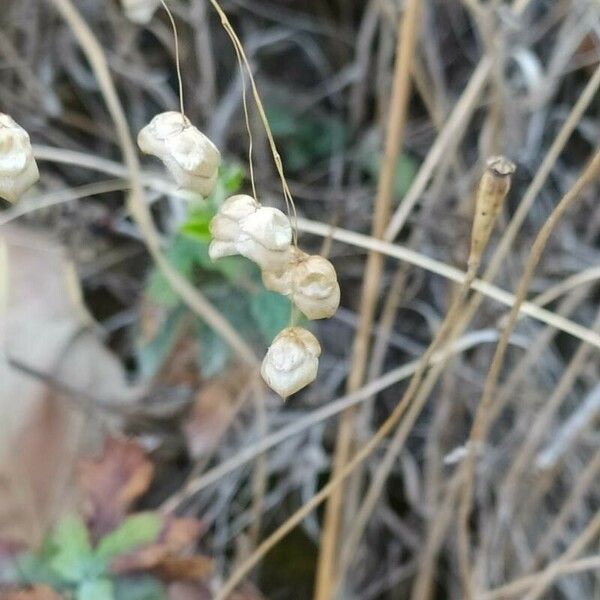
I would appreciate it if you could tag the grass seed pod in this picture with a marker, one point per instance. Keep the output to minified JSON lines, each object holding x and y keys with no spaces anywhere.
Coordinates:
{"x":310,"y":282}
{"x":192,"y":159}
{"x":292,"y":361}
{"x":140,"y":11}
{"x":225,"y":225}
{"x":266,"y":238}
{"x":493,"y":189}
{"x":18,"y":169}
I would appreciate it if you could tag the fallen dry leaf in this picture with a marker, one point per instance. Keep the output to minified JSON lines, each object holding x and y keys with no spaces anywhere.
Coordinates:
{"x":199,"y":591}
{"x":112,"y":482}
{"x":42,"y":326}
{"x":167,"y":554}
{"x":38,"y":592}
{"x":176,"y":568}
{"x":188,"y":591}
{"x":213,"y":410}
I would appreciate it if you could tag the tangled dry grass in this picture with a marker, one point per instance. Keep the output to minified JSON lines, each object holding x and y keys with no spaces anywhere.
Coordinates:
{"x":485,"y":484}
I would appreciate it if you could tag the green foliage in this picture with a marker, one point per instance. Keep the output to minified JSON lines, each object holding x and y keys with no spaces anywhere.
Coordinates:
{"x":133,"y":532}
{"x":233,"y":284}
{"x":96,"y":589}
{"x":73,"y":558}
{"x":138,"y":588}
{"x":68,"y":563}
{"x":370,"y":156}
{"x":214,"y":352}
{"x":272,"y":313}
{"x":305,"y":139}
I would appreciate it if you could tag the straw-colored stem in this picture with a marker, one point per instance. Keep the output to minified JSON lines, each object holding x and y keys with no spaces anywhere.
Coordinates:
{"x":137,"y":203}
{"x":406,"y":43}
{"x":479,"y":427}
{"x":576,"y":547}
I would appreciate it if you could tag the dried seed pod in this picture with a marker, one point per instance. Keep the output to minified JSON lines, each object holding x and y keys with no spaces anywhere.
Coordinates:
{"x":225,"y":225}
{"x":190,"y":156}
{"x":140,"y":11}
{"x":310,"y":282}
{"x":18,"y":169}
{"x":493,"y":189}
{"x":292,"y":361}
{"x":266,"y":238}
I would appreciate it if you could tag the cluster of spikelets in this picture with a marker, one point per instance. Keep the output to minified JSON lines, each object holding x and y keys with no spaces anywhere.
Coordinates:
{"x":260,"y":233}
{"x":242,"y":226}
{"x":264,"y":235}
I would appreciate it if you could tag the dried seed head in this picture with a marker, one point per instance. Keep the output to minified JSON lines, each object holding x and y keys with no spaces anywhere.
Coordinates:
{"x":292,"y":361}
{"x":493,"y":189}
{"x":140,"y":11}
{"x":18,"y":169}
{"x":260,"y":233}
{"x":225,"y":225}
{"x":190,"y":156}
{"x":310,"y":282}
{"x":266,"y":238}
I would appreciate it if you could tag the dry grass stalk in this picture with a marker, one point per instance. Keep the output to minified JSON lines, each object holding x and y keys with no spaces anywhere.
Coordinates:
{"x":406,"y":43}
{"x":480,"y":423}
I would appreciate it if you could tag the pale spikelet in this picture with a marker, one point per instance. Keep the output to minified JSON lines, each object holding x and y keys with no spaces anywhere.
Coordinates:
{"x":140,"y":11}
{"x":18,"y":169}
{"x":192,"y":159}
{"x":292,"y":361}
{"x":266,"y":238}
{"x":310,"y":282}
{"x":493,"y":189}
{"x":225,"y":225}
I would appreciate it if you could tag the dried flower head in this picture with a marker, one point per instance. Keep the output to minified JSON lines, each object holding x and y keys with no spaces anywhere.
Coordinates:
{"x":493,"y":189}
{"x":260,"y":233}
{"x":225,"y":225}
{"x":140,"y":11}
{"x":190,"y":156}
{"x":310,"y":282}
{"x":18,"y":169}
{"x":266,"y":238}
{"x":292,"y":361}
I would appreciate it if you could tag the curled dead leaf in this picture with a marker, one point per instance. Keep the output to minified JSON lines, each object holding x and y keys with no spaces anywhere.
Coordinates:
{"x":178,"y":537}
{"x":175,"y":568}
{"x":213,"y":410}
{"x":112,"y":482}
{"x":37,"y":592}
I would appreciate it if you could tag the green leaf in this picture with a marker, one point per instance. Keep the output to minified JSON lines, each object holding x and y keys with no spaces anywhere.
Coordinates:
{"x":96,"y":589}
{"x":271,"y":311}
{"x":72,"y":560}
{"x":197,"y":224}
{"x":406,"y":170}
{"x":183,"y":254}
{"x":306,"y":139}
{"x":139,"y":588}
{"x":30,"y":568}
{"x":230,"y":181}
{"x":134,"y":531}
{"x":214,"y":352}
{"x":151,"y":354}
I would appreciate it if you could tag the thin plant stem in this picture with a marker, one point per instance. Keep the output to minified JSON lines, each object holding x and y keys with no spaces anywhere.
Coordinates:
{"x":317,"y":416}
{"x":484,"y":289}
{"x":517,"y":587}
{"x":577,"y":546}
{"x":177,"y":58}
{"x":137,"y":203}
{"x":479,"y":428}
{"x":262,"y":114}
{"x":407,"y":39}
